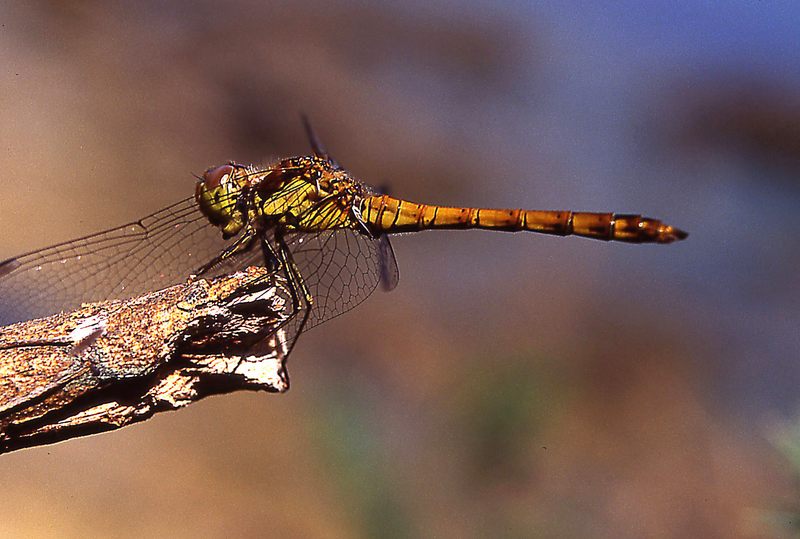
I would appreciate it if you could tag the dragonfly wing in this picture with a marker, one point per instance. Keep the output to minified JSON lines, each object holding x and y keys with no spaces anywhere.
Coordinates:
{"x":157,"y":251}
{"x":341,"y":268}
{"x":389,"y":273}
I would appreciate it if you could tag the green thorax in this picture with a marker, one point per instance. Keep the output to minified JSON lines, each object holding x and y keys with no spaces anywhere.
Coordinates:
{"x":299,"y":193}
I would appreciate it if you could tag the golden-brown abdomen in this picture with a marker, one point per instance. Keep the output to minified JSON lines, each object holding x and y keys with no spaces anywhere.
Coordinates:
{"x":390,"y":215}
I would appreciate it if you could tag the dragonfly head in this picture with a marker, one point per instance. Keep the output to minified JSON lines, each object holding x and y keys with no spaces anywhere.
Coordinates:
{"x":217,"y":195}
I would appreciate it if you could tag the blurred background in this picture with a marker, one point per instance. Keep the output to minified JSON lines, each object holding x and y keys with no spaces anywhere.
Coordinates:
{"x":557,"y":387}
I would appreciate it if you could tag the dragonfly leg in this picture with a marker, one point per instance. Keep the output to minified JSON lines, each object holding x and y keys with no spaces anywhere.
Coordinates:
{"x":242,"y":244}
{"x":298,"y":291}
{"x":297,"y":287}
{"x":271,"y":260}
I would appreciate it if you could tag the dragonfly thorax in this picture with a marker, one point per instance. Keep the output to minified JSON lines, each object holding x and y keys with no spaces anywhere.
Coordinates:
{"x":306,"y":193}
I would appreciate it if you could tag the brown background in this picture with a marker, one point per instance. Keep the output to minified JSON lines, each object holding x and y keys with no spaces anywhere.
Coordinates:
{"x":512,"y":385}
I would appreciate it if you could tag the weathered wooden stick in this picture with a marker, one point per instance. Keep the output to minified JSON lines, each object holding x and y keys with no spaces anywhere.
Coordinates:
{"x":110,"y":364}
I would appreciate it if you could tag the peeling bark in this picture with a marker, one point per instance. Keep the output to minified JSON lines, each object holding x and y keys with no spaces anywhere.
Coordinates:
{"x":110,"y":364}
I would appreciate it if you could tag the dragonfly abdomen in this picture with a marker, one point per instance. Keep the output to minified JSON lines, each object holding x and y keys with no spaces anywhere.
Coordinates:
{"x":391,"y":215}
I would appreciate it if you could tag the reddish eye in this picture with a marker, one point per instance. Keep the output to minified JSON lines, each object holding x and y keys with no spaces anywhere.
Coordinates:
{"x":214,"y":175}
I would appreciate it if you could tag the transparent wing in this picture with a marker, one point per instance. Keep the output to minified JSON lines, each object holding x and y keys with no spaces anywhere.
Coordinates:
{"x":390,"y":275}
{"x":159,"y":250}
{"x":341,"y":268}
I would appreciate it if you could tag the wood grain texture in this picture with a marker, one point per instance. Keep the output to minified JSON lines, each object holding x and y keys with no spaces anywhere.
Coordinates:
{"x":111,"y":364}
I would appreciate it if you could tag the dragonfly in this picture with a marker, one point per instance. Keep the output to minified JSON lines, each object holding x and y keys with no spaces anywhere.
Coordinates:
{"x":305,"y":217}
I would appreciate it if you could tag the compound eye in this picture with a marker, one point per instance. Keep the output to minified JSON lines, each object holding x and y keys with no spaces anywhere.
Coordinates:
{"x":214,"y":176}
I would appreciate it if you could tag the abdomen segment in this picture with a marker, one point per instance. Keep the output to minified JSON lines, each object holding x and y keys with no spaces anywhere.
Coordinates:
{"x":391,"y":215}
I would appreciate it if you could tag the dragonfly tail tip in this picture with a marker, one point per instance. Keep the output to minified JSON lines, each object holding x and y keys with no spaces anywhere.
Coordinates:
{"x":669,"y":234}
